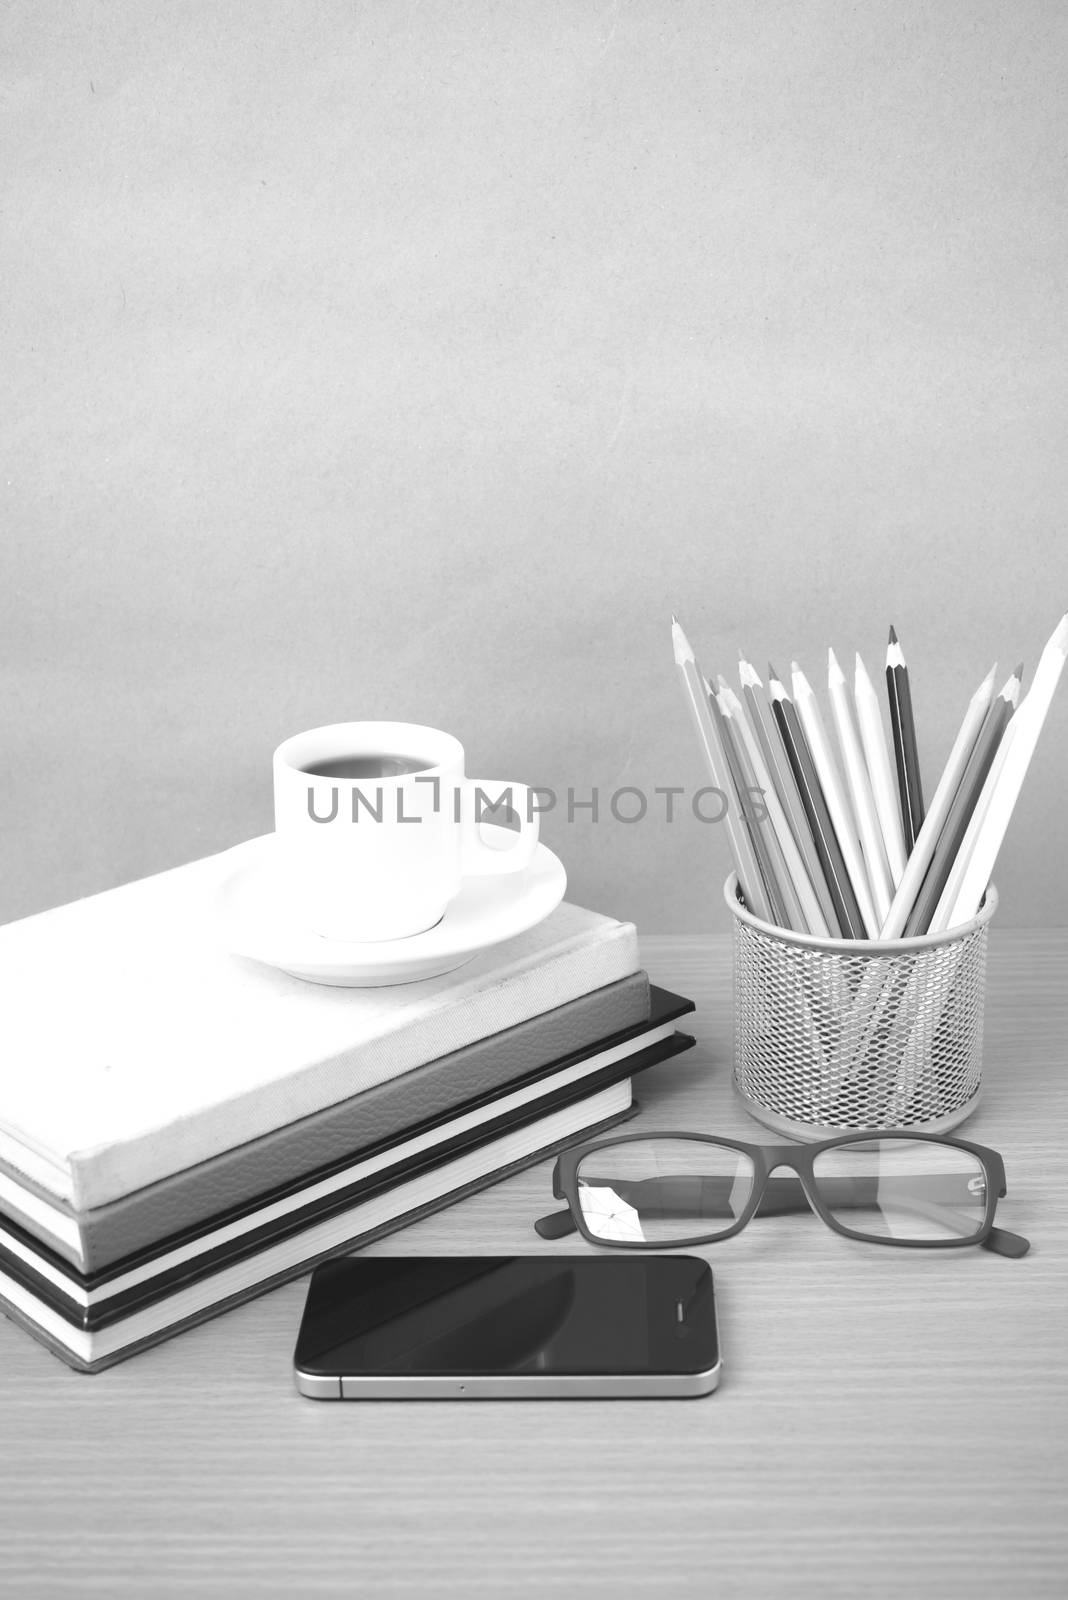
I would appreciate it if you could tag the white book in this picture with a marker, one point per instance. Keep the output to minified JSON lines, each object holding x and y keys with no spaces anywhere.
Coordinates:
{"x":133,"y":1047}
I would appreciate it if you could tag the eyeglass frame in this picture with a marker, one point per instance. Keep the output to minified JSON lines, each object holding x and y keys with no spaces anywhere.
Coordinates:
{"x":800,"y":1159}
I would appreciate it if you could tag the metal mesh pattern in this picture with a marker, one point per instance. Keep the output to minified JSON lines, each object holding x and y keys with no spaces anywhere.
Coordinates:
{"x":842,"y":1040}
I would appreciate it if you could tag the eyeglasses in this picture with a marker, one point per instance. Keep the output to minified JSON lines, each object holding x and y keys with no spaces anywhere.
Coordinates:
{"x":649,"y":1192}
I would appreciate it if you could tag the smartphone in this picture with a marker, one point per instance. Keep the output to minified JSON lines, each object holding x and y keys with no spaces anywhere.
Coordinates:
{"x":508,"y":1327}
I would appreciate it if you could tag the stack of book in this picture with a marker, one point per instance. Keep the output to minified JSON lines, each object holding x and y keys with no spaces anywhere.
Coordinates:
{"x":181,"y":1129}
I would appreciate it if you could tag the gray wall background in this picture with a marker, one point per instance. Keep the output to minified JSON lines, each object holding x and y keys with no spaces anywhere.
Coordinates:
{"x":417,"y":360}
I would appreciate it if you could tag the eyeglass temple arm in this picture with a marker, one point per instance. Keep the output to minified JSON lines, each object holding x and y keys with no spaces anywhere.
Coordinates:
{"x":556,"y":1226}
{"x":682,"y":1193}
{"x":1004,"y":1243}
{"x":677,"y":1196}
{"x":711,"y":1197}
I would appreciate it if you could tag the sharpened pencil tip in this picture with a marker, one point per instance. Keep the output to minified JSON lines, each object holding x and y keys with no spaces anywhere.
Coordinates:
{"x":1019,"y":672}
{"x":893,"y":635}
{"x":773,"y":674}
{"x":862,"y":684}
{"x":794,"y":667}
{"x":674,"y":620}
{"x":680,"y":644}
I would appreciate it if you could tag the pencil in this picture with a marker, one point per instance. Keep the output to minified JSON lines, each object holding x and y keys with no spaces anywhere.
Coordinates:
{"x":820,"y":826}
{"x":949,"y":785}
{"x":794,"y":886}
{"x":962,"y":805}
{"x":906,"y":755}
{"x":765,"y":847}
{"x":834,"y":795}
{"x":873,"y":742}
{"x":867,"y":819}
{"x":1004,"y":783}
{"x":818,"y":909}
{"x":708,"y":733}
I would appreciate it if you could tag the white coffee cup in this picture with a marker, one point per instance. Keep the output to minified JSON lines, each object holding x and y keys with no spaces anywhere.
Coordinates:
{"x":377,"y":827}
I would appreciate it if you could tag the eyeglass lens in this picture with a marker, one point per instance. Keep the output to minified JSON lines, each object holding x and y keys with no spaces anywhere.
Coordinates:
{"x":654,"y":1191}
{"x":663,"y":1190}
{"x":903,"y":1189}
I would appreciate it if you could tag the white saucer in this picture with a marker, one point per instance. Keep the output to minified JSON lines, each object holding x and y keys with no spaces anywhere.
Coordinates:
{"x":254,"y":922}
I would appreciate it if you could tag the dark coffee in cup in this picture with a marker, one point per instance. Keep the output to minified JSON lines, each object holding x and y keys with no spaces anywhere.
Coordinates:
{"x":367,"y":766}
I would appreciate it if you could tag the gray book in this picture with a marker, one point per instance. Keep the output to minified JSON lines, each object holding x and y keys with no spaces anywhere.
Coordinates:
{"x":97,"y":1238}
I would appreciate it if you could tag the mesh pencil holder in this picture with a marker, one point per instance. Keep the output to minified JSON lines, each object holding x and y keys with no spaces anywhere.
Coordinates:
{"x":842,"y":1036}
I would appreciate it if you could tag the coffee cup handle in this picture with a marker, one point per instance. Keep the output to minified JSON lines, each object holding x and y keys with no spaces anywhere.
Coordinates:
{"x":480,"y":859}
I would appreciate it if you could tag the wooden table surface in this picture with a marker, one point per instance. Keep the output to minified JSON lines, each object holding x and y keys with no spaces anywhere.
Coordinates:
{"x":889,"y":1423}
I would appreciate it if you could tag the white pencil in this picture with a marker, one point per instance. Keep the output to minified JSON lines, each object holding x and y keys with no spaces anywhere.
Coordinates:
{"x":745,"y":863}
{"x":883,"y":783}
{"x":802,"y":907}
{"x":933,"y":823}
{"x":871,"y":834}
{"x":834,"y":794}
{"x":1002,"y":788}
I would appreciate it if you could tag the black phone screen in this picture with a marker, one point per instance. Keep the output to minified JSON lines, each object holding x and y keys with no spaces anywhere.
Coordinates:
{"x":490,"y":1315}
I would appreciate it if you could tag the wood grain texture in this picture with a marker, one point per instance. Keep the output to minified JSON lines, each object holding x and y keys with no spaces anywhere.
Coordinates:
{"x":889,"y":1424}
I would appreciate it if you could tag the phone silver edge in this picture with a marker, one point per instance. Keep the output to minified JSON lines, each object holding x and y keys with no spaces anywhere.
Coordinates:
{"x":513,"y":1386}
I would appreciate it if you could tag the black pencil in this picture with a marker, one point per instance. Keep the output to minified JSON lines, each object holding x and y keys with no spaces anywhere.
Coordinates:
{"x":906,"y":755}
{"x":820,"y":825}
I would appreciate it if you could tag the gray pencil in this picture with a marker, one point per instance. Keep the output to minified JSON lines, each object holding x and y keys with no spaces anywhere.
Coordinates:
{"x":960,"y":812}
{"x":781,"y":775}
{"x":768,"y":858}
{"x":821,"y":827}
